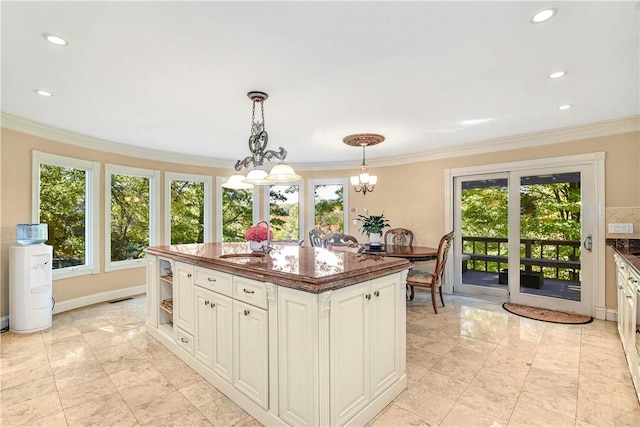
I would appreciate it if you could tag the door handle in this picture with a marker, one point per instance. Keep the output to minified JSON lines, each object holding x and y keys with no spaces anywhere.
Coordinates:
{"x":588,"y":243}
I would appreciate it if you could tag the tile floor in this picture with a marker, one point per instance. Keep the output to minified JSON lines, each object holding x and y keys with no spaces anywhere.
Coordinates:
{"x":471,"y":365}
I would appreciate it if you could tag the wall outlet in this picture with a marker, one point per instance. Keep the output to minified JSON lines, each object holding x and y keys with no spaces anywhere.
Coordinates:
{"x":620,"y":227}
{"x":353,"y":210}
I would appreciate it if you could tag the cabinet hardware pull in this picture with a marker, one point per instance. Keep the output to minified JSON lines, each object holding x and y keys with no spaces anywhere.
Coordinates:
{"x":377,"y":293}
{"x":210,"y":279}
{"x":247,"y":291}
{"x":206,"y":302}
{"x":188,"y":274}
{"x":368,"y":296}
{"x":246,"y":312}
{"x":629,"y":296}
{"x":213,"y":304}
{"x":184,"y":341}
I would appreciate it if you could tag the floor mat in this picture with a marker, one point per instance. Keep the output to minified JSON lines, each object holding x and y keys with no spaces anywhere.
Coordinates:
{"x":546,"y":315}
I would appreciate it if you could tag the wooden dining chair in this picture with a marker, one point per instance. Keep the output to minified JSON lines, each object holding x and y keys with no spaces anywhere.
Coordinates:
{"x":398,"y":237}
{"x":435,"y":279}
{"x":316,"y":237}
{"x":339,"y":239}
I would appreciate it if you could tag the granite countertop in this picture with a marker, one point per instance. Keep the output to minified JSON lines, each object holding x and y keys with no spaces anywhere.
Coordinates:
{"x":308,"y":269}
{"x":629,"y":249}
{"x":629,"y":256}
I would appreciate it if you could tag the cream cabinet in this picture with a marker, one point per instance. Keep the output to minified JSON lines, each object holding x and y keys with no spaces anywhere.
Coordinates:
{"x":627,"y":282}
{"x":285,"y":355}
{"x":183,"y":296}
{"x":364,"y":321}
{"x":251,"y":351}
{"x":213,"y":331}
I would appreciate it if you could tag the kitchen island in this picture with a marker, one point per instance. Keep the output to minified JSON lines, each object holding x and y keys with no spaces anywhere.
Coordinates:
{"x":299,"y":336}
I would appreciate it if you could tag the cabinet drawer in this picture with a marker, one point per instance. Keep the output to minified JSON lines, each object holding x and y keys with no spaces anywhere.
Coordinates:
{"x":184,"y":340}
{"x":250,"y":291}
{"x":213,"y":280}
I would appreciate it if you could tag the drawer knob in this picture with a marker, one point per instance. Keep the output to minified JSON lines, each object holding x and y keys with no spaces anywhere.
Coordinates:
{"x":377,"y":293}
{"x":184,"y":341}
{"x":188,"y":274}
{"x":248,"y":291}
{"x":213,"y":304}
{"x":246,"y":312}
{"x":210,"y":279}
{"x":206,"y":302}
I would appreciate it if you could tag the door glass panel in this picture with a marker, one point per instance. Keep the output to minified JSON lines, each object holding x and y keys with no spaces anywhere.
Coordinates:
{"x":485,"y":228}
{"x":550,"y":230}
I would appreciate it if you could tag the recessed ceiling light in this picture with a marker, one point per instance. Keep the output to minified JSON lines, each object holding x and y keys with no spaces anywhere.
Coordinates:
{"x":57,"y":40}
{"x":564,"y":107}
{"x":542,"y":16}
{"x":557,"y":74}
{"x":43,"y":92}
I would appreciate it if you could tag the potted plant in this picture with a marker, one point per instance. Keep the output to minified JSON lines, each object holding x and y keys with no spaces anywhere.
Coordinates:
{"x":372,"y":226}
{"x":258,"y":237}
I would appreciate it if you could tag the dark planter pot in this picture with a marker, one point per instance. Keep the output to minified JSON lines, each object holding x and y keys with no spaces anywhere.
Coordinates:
{"x":528,"y":280}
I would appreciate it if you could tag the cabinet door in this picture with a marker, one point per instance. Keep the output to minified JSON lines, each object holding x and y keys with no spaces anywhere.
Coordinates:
{"x":385,"y":333}
{"x":221,"y":330}
{"x":251,"y":352}
{"x":620,"y":282}
{"x":203,"y":325}
{"x":349,"y":341}
{"x":183,"y":297}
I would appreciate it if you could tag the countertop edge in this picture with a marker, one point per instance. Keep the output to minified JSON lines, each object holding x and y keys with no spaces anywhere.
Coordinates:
{"x":632,"y":260}
{"x":289,"y":280}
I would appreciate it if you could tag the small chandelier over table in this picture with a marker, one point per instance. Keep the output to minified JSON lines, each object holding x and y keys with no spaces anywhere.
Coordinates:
{"x":363,"y":182}
{"x":258,"y":140}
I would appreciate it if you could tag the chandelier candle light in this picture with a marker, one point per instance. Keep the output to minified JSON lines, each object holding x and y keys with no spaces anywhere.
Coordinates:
{"x":258,"y":140}
{"x":363,"y":182}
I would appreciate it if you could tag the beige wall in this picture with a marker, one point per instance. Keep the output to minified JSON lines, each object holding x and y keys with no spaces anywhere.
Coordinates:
{"x":411,"y":196}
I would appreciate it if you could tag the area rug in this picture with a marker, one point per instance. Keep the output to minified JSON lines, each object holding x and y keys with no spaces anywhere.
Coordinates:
{"x":546,"y":315}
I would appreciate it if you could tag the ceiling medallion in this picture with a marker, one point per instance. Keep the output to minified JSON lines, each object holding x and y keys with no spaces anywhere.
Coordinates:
{"x":363,"y":182}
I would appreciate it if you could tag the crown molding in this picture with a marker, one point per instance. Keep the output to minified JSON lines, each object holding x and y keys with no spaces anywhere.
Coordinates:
{"x":13,"y":122}
{"x":554,"y":136}
{"x":528,"y":140}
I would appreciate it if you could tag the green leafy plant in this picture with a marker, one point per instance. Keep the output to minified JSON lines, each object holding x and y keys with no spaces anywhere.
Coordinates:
{"x":372,"y":223}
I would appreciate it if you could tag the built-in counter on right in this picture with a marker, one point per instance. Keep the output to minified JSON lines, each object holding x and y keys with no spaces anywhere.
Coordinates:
{"x":626,"y":255}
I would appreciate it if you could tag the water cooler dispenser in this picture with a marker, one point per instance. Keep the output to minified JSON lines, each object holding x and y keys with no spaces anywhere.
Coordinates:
{"x":30,"y":290}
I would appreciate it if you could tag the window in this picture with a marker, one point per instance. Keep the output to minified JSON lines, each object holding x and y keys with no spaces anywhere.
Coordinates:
{"x":283,"y":204}
{"x":65,"y":192}
{"x":130,"y":214}
{"x":188,"y":208}
{"x":237,"y":211}
{"x":329,"y":205}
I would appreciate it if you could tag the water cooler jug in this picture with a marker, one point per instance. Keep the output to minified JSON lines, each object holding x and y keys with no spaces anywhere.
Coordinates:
{"x":30,"y":290}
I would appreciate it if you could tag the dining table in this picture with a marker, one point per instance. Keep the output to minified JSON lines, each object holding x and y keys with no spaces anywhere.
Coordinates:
{"x":411,"y":253}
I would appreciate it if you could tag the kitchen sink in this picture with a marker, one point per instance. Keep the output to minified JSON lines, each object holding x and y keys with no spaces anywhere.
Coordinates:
{"x":245,"y":255}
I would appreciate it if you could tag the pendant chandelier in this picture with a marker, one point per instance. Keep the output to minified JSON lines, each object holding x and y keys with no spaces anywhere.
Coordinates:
{"x":363,"y":182}
{"x":258,"y":140}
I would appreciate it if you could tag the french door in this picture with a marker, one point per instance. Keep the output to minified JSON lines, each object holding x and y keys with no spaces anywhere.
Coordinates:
{"x":526,"y":236}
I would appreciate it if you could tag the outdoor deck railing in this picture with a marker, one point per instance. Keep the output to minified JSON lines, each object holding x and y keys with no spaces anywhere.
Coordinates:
{"x":556,"y":259}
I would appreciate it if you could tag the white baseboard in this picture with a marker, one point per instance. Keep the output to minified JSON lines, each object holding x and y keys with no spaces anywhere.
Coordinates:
{"x":4,"y":322}
{"x":71,"y":304}
{"x":611,"y":315}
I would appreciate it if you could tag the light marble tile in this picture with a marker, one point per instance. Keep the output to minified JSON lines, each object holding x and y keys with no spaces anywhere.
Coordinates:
{"x":247,"y":422}
{"x":64,"y":331}
{"x":90,"y":390}
{"x":26,"y":391}
{"x":89,"y":372}
{"x":462,"y":416}
{"x":426,"y":404}
{"x":108,"y":410}
{"x":200,"y":393}
{"x":552,"y":391}
{"x":222,"y":412}
{"x":442,"y":384}
{"x":26,"y":411}
{"x":623,"y":398}
{"x":415,"y":372}
{"x":134,"y":375}
{"x":55,"y":420}
{"x":528,"y":412}
{"x":143,"y":394}
{"x":24,"y":374}
{"x":488,"y":401}
{"x":421,"y":358}
{"x":394,"y":416}
{"x":456,"y":369}
{"x":119,"y":357}
{"x":104,"y":338}
{"x":499,"y":381}
{"x":165,"y":408}
{"x":81,"y":357}
{"x":599,"y":414}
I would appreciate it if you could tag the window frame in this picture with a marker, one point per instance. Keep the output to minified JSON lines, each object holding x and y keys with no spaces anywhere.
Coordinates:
{"x":311,"y":204}
{"x":266,"y":207}
{"x":254,"y":200}
{"x":154,"y":210}
{"x":92,"y":208}
{"x":208,"y":200}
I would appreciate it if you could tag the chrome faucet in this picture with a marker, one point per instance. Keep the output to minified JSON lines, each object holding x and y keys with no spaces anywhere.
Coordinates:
{"x":268,"y":248}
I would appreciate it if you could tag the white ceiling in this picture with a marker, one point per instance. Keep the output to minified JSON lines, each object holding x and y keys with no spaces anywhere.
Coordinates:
{"x":173,"y":76}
